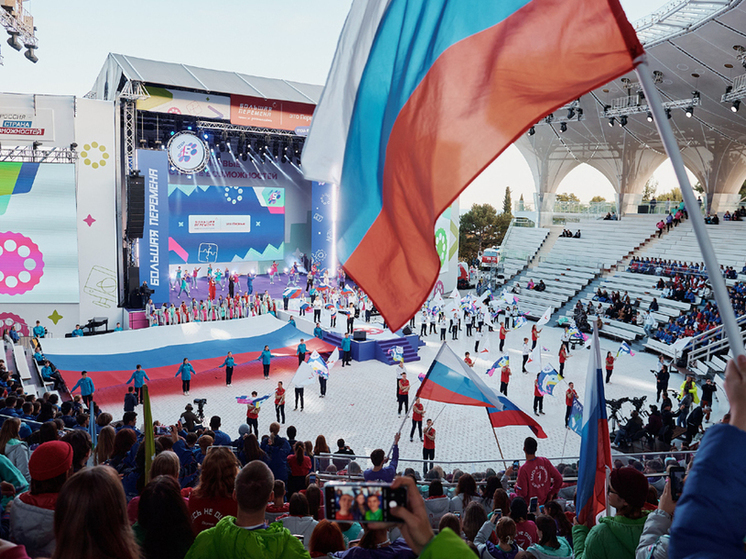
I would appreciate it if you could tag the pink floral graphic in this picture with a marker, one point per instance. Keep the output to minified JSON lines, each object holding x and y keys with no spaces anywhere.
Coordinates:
{"x":8,"y":319}
{"x":21,"y":264}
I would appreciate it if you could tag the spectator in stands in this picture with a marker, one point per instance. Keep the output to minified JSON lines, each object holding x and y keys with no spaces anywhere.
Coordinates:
{"x":13,"y":447}
{"x":537,"y":477}
{"x":163,"y":526}
{"x":39,"y":331}
{"x":474,"y":518}
{"x":231,"y":540}
{"x":342,"y":448}
{"x":437,"y":504}
{"x":212,"y":499}
{"x":554,"y":510}
{"x":549,"y":544}
{"x":526,"y":533}
{"x":129,"y":420}
{"x":80,"y":441}
{"x":221,"y":438}
{"x":104,"y":445}
{"x":32,"y":513}
{"x":326,"y":538}
{"x":277,"y":507}
{"x":124,"y":440}
{"x":466,"y":492}
{"x":130,"y":400}
{"x":577,"y":234}
{"x":655,"y":533}
{"x":379,"y":472}
{"x":277,"y":448}
{"x":300,"y":466}
{"x":616,"y":537}
{"x":299,"y":520}
{"x":48,"y":374}
{"x":505,"y":531}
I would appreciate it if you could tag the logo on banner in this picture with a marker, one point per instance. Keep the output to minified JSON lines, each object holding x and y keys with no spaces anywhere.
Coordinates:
{"x":94,"y":154}
{"x":23,"y":264}
{"x":187,"y":153}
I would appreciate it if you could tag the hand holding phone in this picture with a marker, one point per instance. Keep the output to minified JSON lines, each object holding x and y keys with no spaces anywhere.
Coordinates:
{"x":362,"y":502}
{"x":533,"y":505}
{"x":676,"y":476}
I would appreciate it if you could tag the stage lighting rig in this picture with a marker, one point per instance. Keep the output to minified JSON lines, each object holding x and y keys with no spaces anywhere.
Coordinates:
{"x":571,"y":112}
{"x":735,"y":93}
{"x":20,"y":27}
{"x":635,"y":103}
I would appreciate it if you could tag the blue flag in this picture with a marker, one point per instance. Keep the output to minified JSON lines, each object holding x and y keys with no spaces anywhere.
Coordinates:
{"x":576,"y":417}
{"x":548,"y":379}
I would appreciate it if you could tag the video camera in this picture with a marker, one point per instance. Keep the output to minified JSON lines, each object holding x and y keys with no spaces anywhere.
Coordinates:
{"x":200,"y":407}
{"x":616,"y":405}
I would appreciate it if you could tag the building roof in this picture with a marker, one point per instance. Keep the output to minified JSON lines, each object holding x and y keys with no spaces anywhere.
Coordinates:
{"x":183,"y":76}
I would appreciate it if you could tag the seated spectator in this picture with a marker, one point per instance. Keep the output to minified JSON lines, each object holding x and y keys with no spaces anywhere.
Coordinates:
{"x":526,"y":533}
{"x":80,"y":441}
{"x":163,"y":527}
{"x":124,"y":440}
{"x":375,"y":545}
{"x":32,"y":514}
{"x":466,"y":492}
{"x":630,"y":431}
{"x":90,"y":519}
{"x":616,"y":536}
{"x":549,"y":544}
{"x":299,"y":520}
{"x":278,"y":507}
{"x":277,"y":449}
{"x":326,"y":539}
{"x":230,"y":539}
{"x":221,"y":439}
{"x":437,"y":504}
{"x":212,"y":499}
{"x":554,"y":510}
{"x":474,"y":518}
{"x":378,"y":457}
{"x":165,"y":464}
{"x":577,"y":234}
{"x":342,"y":448}
{"x":13,"y":447}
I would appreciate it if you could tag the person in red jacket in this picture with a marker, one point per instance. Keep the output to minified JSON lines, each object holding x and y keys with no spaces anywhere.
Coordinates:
{"x":252,"y":416}
{"x":534,"y":336}
{"x":537,"y":477}
{"x":503,"y":333}
{"x":504,"y":379}
{"x":428,"y":448}
{"x":538,"y":397}
{"x":609,"y":366}
{"x":570,"y":396}
{"x":418,"y":410}
{"x":468,"y":360}
{"x":562,"y":358}
{"x":403,"y":393}
{"x":280,"y":402}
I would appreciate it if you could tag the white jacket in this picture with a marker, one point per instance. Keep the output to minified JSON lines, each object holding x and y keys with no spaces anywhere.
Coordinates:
{"x":436,"y":508}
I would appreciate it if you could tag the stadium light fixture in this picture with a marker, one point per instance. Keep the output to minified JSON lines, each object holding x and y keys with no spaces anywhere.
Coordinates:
{"x":623,"y":120}
{"x":30,"y":55}
{"x":649,"y":116}
{"x":735,"y":106}
{"x":531,"y":131}
{"x":563,"y":127}
{"x":13,"y":40}
{"x":689,"y":112}
{"x":611,"y":122}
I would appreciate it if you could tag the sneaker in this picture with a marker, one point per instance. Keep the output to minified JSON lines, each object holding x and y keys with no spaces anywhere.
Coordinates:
{"x":295,"y":409}
{"x":411,"y":440}
{"x":542,"y":413}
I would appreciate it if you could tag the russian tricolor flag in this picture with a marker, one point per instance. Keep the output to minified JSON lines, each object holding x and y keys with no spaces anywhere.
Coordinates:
{"x":422,"y":96}
{"x":451,"y":381}
{"x":595,"y":447}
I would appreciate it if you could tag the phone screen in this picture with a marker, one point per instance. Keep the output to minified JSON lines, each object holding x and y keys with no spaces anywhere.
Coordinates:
{"x":516,"y":464}
{"x":541,"y":509}
{"x":362,"y":502}
{"x":677,"y":474}
{"x":499,"y":514}
{"x":533,"y":505}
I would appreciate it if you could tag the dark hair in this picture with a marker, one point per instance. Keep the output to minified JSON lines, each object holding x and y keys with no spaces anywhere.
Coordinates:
{"x":251,"y":448}
{"x":474,"y":517}
{"x":129,"y":416}
{"x":164,"y":517}
{"x":506,"y":530}
{"x":80,"y":440}
{"x":254,"y":484}
{"x":298,"y":505}
{"x":518,"y":509}
{"x":314,"y":497}
{"x":54,"y":485}
{"x":48,"y":432}
{"x":46,"y":413}
{"x":326,"y":538}
{"x":215,"y":422}
{"x":218,"y":476}
{"x":492,"y":483}
{"x":435,"y":489}
{"x":467,"y":487}
{"x":501,"y":501}
{"x":300,"y":452}
{"x":530,"y":445}
{"x":377,"y":457}
{"x":279,"y":488}
{"x":104,"y":419}
{"x":554,"y":509}
{"x":291,"y":432}
{"x":450,"y":520}
{"x":548,"y":531}
{"x":123,"y":442}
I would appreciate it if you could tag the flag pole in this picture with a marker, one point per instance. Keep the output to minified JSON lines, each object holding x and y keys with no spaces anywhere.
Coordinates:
{"x":564,"y":443}
{"x":725,"y":308}
{"x":495,"y":434}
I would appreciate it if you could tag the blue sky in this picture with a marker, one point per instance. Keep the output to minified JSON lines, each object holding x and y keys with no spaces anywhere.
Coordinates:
{"x":291,"y":39}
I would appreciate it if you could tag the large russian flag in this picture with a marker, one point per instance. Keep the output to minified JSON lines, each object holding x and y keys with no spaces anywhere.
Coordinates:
{"x":422,"y":96}
{"x":595,"y":447}
{"x":450,"y":380}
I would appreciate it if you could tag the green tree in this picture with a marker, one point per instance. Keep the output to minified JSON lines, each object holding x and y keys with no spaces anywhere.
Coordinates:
{"x":649,"y":191}
{"x":598,"y":199}
{"x":480,"y":228}
{"x":507,"y":202}
{"x":565,"y":197}
{"x":674,"y":196}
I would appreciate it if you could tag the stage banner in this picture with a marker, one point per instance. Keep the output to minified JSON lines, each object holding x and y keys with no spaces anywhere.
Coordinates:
{"x":163,"y":100}
{"x":322,"y":225}
{"x":268,"y":113}
{"x":219,"y":224}
{"x":26,"y":118}
{"x":155,"y":242}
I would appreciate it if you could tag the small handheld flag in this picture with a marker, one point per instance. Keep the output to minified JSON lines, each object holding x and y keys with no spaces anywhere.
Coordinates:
{"x":519,"y":321}
{"x":497,"y":365}
{"x":318,"y":365}
{"x":397,"y":354}
{"x":292,"y":293}
{"x":305,"y":307}
{"x":548,"y":379}
{"x":545,"y":317}
{"x":576,"y":417}
{"x":252,"y":401}
{"x":624,"y":348}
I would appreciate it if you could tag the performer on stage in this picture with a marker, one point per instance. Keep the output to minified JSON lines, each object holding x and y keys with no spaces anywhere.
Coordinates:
{"x":228,"y":364}
{"x":266,"y":358}
{"x":403,"y":393}
{"x":252,"y":416}
{"x":428,"y":448}
{"x":139,"y":377}
{"x":280,"y":402}
{"x":418,"y":410}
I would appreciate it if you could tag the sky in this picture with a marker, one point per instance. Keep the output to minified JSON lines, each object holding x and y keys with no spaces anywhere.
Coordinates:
{"x":292,"y":39}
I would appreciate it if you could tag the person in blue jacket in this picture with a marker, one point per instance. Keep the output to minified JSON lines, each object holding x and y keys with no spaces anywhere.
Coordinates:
{"x":318,"y":332}
{"x":265,"y":358}
{"x":346,"y":350}
{"x":119,"y":327}
{"x":39,"y":356}
{"x":86,"y":388}
{"x":716,"y":484}
{"x":229,"y":363}
{"x":78,"y":332}
{"x":301,"y":351}
{"x":139,"y":377}
{"x":50,"y":375}
{"x":278,"y":449}
{"x":186,"y":371}
{"x":39,"y":331}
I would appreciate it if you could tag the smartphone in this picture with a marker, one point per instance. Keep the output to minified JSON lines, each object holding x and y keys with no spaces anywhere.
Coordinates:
{"x":516,"y":465}
{"x":533,"y":504}
{"x":541,"y":509}
{"x":499,"y":514}
{"x":362,"y":502}
{"x":676,"y":474}
{"x":312,"y":478}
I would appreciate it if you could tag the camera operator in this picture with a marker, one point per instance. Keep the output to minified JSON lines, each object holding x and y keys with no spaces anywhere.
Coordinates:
{"x":626,"y":434}
{"x":662,"y":377}
{"x":189,"y":418}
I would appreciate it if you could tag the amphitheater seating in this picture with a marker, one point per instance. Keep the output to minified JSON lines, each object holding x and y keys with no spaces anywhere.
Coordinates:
{"x":519,"y":246}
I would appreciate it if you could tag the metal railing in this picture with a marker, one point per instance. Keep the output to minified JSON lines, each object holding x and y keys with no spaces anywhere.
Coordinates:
{"x":711,"y":342}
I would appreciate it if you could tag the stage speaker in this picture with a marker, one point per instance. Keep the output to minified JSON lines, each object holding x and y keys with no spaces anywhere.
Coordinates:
{"x":135,"y":206}
{"x":642,"y":209}
{"x":359,"y":335}
{"x":407,"y":331}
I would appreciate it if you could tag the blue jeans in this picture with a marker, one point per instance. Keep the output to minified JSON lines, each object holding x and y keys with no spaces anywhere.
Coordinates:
{"x":681,"y":420}
{"x":620,"y":436}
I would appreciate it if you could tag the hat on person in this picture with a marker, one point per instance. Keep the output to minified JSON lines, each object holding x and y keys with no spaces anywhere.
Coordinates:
{"x":243,"y":429}
{"x":631,"y":485}
{"x":50,"y":459}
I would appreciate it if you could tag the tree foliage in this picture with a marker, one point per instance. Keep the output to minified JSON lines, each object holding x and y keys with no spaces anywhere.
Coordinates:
{"x":598,"y":199}
{"x":649,"y":191}
{"x":565,"y":197}
{"x":674,"y":196}
{"x":507,"y":202}
{"x":480,"y":228}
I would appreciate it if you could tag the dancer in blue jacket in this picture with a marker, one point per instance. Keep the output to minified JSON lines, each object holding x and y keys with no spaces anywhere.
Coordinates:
{"x":139,"y":377}
{"x":228,"y":364}
{"x":186,"y":371}
{"x":86,"y":388}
